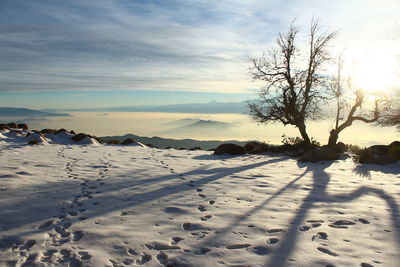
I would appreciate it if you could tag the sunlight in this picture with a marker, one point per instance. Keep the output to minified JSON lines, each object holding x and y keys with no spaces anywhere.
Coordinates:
{"x":377,"y":71}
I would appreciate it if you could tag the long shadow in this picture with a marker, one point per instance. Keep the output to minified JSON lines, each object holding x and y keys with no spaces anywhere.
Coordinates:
{"x":239,"y":219}
{"x":319,"y":194}
{"x":287,"y":245}
{"x":168,"y":190}
{"x":365,"y":169}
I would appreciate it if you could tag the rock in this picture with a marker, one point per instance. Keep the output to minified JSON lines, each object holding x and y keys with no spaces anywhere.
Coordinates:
{"x":62,"y":130}
{"x":340,"y":147}
{"x":128,"y":141}
{"x":12,"y":125}
{"x":151,"y":146}
{"x":251,"y":145}
{"x":318,"y":154}
{"x":79,"y":137}
{"x":376,"y":159}
{"x":394,"y":150}
{"x":131,"y":142}
{"x":17,"y":133}
{"x":380,"y":154}
{"x":33,"y":142}
{"x":48,"y":131}
{"x":256,"y":147}
{"x":394,"y":144}
{"x":23,"y":126}
{"x":379,"y":149}
{"x":3,"y":127}
{"x":35,"y":138}
{"x":232,"y":149}
{"x":195,"y":148}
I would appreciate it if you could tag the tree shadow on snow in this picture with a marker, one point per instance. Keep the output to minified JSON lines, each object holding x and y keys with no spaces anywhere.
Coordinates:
{"x":319,"y":194}
{"x":108,"y":195}
{"x":365,"y":169}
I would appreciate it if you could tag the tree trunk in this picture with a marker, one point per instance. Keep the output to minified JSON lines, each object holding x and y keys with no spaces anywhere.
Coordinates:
{"x":333,"y":137}
{"x":304,"y":135}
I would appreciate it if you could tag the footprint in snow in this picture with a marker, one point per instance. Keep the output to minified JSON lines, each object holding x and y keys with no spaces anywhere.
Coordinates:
{"x":45,"y":224}
{"x":273,"y":241}
{"x":156,"y":245}
{"x":304,"y":228}
{"x":363,"y":221}
{"x":320,"y":235}
{"x":341,"y":224}
{"x":261,"y":250}
{"x":28,"y":244}
{"x":176,"y":240}
{"x":202,"y":208}
{"x":327,"y":251}
{"x":238,"y":246}
{"x":144,"y":259}
{"x":271,"y":231}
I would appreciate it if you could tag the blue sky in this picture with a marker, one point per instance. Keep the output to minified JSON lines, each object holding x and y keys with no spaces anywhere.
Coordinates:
{"x":117,"y":52}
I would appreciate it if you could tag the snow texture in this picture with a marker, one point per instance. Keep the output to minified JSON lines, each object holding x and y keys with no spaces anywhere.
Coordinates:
{"x":95,"y":205}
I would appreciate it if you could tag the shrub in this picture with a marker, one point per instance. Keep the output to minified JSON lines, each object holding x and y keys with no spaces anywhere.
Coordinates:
{"x":297,"y":141}
{"x":33,"y":142}
{"x":355,"y":149}
{"x":361,"y":154}
{"x":394,"y":152}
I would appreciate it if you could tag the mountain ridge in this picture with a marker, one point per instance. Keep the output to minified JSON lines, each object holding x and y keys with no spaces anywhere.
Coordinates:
{"x":22,"y":112}
{"x":173,"y":143}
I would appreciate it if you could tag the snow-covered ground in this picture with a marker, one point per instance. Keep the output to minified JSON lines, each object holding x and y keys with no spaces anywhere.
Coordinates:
{"x":94,"y":205}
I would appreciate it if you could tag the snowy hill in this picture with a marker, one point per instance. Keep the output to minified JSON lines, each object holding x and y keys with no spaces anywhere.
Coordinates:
{"x":102,"y":205}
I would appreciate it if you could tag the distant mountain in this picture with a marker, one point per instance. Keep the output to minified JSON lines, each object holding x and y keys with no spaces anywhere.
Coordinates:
{"x":25,"y":112}
{"x":174,"y":143}
{"x":207,"y":124}
{"x":198,"y":108}
{"x":199,"y":126}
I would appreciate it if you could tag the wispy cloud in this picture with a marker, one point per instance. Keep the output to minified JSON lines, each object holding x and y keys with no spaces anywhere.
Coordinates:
{"x":157,"y":45}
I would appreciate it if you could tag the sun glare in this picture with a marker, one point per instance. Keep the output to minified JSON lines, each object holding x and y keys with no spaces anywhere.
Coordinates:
{"x":377,"y":71}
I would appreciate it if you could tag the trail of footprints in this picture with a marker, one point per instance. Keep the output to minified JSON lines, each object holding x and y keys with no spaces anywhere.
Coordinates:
{"x":59,"y":230}
{"x":201,"y":231}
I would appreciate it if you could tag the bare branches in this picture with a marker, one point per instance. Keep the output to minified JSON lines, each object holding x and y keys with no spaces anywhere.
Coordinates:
{"x":366,"y":117}
{"x":390,"y":115}
{"x":291,"y":94}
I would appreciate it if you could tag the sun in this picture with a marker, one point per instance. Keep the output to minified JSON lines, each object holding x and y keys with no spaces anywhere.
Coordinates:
{"x":378,"y":70}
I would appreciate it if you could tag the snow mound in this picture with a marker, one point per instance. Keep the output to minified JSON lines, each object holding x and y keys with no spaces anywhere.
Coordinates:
{"x":36,"y":137}
{"x":88,"y":141}
{"x":137,"y":144}
{"x":62,"y":138}
{"x":14,"y":134}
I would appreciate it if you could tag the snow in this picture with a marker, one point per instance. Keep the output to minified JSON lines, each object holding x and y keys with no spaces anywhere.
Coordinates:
{"x":36,"y":137}
{"x":107,"y":205}
{"x":137,"y":144}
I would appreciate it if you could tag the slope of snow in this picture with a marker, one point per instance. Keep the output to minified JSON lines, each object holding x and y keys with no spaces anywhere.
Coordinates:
{"x":64,"y":205}
{"x":36,"y":137}
{"x":138,"y":144}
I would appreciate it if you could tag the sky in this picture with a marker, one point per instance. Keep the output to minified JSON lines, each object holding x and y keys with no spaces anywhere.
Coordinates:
{"x":78,"y":53}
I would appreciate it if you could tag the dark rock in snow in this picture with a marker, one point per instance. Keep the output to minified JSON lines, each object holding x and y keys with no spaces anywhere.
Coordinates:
{"x":232,"y":149}
{"x":318,"y":154}
{"x":79,"y":137}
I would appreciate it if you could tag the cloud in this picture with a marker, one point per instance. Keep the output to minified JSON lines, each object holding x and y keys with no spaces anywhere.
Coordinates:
{"x":156,"y":45}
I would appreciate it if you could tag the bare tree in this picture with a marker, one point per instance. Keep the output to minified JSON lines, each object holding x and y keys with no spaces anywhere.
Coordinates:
{"x":356,"y":113}
{"x":391,"y":116}
{"x":351,"y":108}
{"x":292,"y":93}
